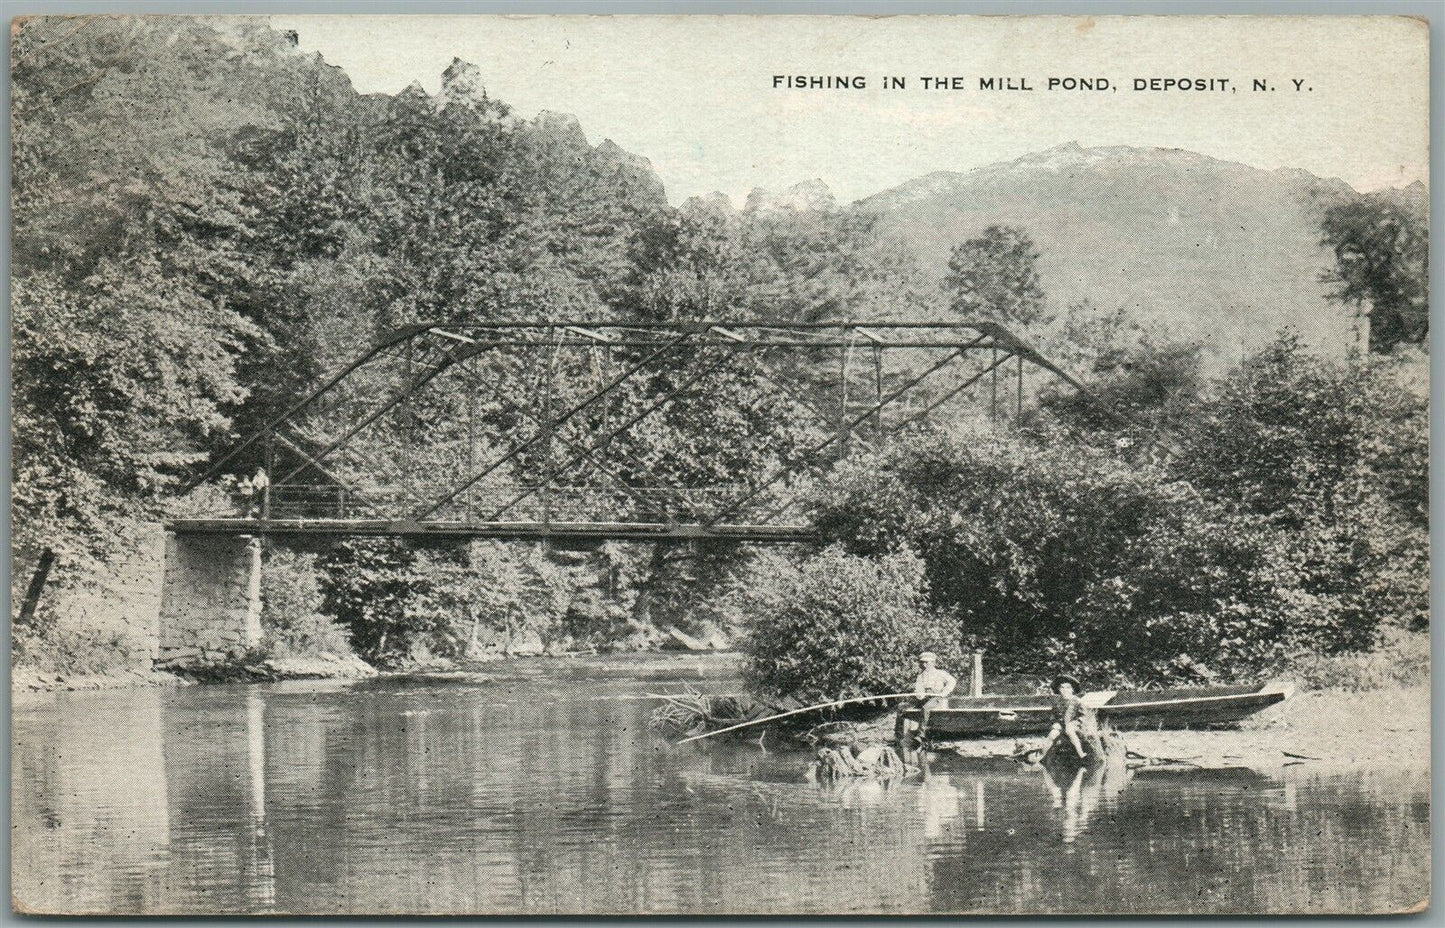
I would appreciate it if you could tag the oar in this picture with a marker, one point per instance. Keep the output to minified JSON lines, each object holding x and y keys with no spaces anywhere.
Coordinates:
{"x":783,"y":715}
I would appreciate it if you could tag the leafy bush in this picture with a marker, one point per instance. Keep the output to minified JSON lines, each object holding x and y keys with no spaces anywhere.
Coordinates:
{"x":838,"y":625}
{"x":1134,"y":399}
{"x":1294,"y":438}
{"x":1048,"y":555}
{"x":1333,"y":460}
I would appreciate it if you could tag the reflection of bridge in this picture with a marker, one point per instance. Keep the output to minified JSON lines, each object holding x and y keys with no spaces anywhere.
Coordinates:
{"x":605,"y":430}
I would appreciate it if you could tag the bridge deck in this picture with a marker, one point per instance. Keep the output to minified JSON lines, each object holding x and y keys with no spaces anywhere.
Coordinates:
{"x":538,"y":531}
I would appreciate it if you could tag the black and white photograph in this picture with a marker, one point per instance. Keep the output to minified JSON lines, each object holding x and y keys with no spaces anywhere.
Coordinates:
{"x":719,"y":465}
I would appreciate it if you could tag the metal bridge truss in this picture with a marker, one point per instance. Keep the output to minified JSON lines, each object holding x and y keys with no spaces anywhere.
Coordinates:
{"x":580,"y":431}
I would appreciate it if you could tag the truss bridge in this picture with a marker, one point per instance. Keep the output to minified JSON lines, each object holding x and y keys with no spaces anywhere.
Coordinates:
{"x":587,"y":431}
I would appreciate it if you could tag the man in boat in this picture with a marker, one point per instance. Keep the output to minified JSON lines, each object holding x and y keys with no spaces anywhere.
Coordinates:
{"x":931,"y":689}
{"x":1070,"y":714}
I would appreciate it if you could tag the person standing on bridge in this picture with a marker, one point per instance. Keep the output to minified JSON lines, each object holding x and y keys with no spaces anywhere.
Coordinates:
{"x":250,"y":487}
{"x":261,"y":483}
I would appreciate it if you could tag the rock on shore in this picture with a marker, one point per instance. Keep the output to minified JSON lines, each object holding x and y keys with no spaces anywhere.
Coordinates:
{"x":324,"y":666}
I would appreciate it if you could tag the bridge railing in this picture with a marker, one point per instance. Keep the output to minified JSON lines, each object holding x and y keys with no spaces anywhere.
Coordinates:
{"x":512,"y":502}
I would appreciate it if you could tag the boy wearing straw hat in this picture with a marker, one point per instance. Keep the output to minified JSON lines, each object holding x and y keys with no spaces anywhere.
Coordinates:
{"x":1069,"y":713}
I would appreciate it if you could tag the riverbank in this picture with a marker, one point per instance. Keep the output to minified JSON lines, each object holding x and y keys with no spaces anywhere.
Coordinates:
{"x":1327,"y":729}
{"x":324,"y":666}
{"x":61,"y":676}
{"x":34,"y":680}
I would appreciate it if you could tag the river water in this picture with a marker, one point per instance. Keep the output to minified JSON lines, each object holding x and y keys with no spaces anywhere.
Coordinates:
{"x":542,"y":791}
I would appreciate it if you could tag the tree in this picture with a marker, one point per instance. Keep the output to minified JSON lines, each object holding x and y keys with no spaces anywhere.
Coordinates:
{"x":130,"y":254}
{"x":995,"y":276}
{"x":1382,"y":261}
{"x":1333,"y":459}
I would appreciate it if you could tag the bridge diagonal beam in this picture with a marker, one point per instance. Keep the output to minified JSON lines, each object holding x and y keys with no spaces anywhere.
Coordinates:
{"x":564,"y":417}
{"x":356,"y":493}
{"x":617,"y":480}
{"x":417,"y":382}
{"x":374,"y":466}
{"x":395,"y":338}
{"x":362,"y":461}
{"x":777,"y":511}
{"x":579,"y":447}
{"x":348,"y":464}
{"x":1004,"y":358}
{"x":795,"y":390}
{"x":605,"y":444}
{"x":782,"y":472}
{"x":878,"y":346}
{"x":765,"y":369}
{"x":629,"y":423}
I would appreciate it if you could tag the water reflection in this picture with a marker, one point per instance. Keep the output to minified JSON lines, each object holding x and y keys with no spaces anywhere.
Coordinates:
{"x":940,"y":801}
{"x":544,"y":792}
{"x":1078,"y":793}
{"x":76,"y":789}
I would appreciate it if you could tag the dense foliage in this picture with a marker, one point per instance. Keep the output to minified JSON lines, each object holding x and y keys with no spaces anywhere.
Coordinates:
{"x":208,"y":221}
{"x":451,"y":600}
{"x":128,"y":269}
{"x":838,"y":625}
{"x":1382,"y":264}
{"x":1285,"y":517}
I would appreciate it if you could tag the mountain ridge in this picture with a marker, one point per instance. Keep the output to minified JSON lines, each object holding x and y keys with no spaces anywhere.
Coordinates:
{"x":1077,"y":156}
{"x":1200,"y":247}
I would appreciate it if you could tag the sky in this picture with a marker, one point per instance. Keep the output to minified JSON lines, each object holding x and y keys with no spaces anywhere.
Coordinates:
{"x":696,"y":94}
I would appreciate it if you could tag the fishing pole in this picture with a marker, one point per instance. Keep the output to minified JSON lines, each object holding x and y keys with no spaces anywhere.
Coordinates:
{"x":783,"y":715}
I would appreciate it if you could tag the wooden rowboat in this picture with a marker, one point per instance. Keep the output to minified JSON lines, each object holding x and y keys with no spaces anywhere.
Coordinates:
{"x":982,"y":716}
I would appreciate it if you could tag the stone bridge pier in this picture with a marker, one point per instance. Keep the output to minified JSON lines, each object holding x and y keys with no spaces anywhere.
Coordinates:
{"x":210,"y":598}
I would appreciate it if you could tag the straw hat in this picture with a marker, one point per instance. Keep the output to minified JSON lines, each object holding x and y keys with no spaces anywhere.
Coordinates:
{"x":1066,"y":678}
